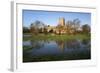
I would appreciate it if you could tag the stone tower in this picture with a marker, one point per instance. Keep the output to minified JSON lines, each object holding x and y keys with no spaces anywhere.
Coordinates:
{"x":61,"y":22}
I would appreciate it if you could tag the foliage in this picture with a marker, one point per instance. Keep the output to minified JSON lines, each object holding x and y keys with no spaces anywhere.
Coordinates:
{"x":60,"y":29}
{"x":71,"y":27}
{"x":76,"y":23}
{"x":26,"y":30}
{"x":86,"y":28}
{"x":37,"y":27}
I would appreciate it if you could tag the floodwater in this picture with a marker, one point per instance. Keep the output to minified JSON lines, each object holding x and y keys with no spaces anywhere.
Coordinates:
{"x":36,"y":51}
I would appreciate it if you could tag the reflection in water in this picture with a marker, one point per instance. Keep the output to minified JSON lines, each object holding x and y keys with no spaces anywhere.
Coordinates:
{"x":61,"y":45}
{"x":56,"y":50}
{"x":37,"y":44}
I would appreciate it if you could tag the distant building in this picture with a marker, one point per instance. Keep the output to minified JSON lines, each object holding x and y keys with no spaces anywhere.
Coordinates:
{"x":61,"y":22}
{"x":39,"y":26}
{"x":61,"y":29}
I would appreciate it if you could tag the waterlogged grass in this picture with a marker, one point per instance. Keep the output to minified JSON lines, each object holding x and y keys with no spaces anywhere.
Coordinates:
{"x":57,"y":37}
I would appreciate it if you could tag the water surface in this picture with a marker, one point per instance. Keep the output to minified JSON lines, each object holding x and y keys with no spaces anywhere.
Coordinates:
{"x":34,"y":51}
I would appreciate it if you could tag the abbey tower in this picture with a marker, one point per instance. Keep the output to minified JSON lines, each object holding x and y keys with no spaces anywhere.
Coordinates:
{"x":61,"y":22}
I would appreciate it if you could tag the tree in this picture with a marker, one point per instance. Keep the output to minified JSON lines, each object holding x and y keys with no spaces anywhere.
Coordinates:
{"x":69,"y":25}
{"x":26,"y":30}
{"x":86,"y":28}
{"x":76,"y":25}
{"x":61,"y":29}
{"x":73,"y":26}
{"x":37,"y":27}
{"x":45,"y":31}
{"x":34,"y":30}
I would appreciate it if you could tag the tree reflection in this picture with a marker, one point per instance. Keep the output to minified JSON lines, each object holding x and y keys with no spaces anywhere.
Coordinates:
{"x":61,"y":45}
{"x":37,"y":44}
{"x":56,"y":50}
{"x":72,"y":44}
{"x":86,"y":43}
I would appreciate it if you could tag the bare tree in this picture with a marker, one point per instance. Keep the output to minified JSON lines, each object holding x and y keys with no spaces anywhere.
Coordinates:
{"x":76,"y":25}
{"x":37,"y":27}
{"x":69,"y":26}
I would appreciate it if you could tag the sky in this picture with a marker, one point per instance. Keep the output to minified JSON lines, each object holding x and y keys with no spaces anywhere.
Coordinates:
{"x":51,"y":17}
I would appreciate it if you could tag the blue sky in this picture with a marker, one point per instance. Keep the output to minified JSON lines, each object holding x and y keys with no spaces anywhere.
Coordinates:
{"x":51,"y":18}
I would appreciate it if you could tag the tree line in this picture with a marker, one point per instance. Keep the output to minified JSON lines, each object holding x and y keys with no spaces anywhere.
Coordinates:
{"x":70,"y":27}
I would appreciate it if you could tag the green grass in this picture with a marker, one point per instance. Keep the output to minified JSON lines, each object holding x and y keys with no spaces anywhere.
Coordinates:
{"x":57,"y":37}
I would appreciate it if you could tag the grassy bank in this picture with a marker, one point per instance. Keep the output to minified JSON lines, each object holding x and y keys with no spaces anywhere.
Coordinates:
{"x":56,"y":37}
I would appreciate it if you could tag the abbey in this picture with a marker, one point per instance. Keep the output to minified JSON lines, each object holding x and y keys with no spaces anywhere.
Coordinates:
{"x":62,"y":27}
